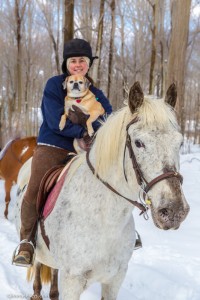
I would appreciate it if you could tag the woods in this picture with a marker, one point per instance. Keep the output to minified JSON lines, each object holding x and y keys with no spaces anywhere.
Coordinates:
{"x":155,"y":42}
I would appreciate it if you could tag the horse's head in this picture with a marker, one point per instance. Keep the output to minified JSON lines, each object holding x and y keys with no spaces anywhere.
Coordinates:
{"x":155,"y":140}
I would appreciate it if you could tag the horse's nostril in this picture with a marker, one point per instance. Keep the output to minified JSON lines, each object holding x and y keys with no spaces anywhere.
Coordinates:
{"x":164,"y":212}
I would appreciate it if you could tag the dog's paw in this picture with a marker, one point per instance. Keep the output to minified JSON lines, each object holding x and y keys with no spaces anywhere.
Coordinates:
{"x":90,"y":132}
{"x":61,"y":126}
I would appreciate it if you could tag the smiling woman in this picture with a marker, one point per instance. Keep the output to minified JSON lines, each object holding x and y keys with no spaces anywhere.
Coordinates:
{"x":54,"y":144}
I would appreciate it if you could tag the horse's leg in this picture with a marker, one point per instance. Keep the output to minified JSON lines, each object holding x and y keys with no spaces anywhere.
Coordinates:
{"x":111,"y":290}
{"x":54,"y":294}
{"x":71,"y":287}
{"x":37,"y":285}
{"x":8,"y":186}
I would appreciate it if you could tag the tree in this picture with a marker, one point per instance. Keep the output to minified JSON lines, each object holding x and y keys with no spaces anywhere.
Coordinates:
{"x":95,"y":74}
{"x":19,"y":15}
{"x":154,"y":28}
{"x":68,"y":20}
{"x":48,"y":14}
{"x":180,"y":11}
{"x":111,"y":47}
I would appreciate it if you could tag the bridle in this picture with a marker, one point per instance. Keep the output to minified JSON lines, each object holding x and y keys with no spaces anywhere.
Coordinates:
{"x":142,"y":182}
{"x":146,"y":186}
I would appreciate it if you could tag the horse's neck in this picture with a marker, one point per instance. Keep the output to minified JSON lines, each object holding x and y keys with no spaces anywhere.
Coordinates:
{"x":116,"y":176}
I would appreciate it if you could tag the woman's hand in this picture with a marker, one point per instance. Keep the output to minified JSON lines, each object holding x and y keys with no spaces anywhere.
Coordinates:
{"x":76,"y":116}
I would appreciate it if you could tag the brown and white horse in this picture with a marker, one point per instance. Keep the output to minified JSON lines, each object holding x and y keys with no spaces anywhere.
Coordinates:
{"x":15,"y":153}
{"x":91,"y":227}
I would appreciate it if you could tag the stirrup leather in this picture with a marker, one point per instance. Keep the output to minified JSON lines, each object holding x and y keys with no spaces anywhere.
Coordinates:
{"x":17,"y":259}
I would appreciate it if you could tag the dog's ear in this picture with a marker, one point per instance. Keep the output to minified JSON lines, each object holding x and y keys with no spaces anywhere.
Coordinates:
{"x":87,"y":82}
{"x":64,"y":84}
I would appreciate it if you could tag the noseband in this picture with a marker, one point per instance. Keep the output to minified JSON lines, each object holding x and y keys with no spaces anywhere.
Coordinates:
{"x":142,"y":182}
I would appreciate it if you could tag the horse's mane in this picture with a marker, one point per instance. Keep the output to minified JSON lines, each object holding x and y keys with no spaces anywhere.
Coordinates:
{"x":110,"y":138}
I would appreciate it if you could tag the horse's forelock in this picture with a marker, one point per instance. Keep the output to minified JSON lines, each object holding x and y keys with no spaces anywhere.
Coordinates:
{"x":156,"y":112}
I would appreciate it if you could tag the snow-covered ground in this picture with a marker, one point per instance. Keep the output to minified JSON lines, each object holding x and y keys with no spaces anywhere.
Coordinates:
{"x":166,"y":268}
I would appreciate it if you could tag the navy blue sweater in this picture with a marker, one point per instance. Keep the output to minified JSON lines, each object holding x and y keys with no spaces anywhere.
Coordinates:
{"x":52,"y":109}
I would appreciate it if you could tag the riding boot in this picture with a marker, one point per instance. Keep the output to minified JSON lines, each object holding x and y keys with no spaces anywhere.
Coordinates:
{"x":27,"y":234}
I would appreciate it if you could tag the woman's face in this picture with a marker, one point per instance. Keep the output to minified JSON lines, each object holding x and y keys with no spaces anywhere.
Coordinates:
{"x":77,"y":65}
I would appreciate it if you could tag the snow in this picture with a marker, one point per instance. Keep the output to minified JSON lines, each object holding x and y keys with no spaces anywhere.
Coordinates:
{"x":166,"y":268}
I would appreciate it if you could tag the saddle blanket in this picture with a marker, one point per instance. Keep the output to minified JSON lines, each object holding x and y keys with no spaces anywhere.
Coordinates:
{"x":53,"y":195}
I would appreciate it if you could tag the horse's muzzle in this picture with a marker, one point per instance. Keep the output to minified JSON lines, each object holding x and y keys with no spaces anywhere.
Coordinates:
{"x":170,"y":217}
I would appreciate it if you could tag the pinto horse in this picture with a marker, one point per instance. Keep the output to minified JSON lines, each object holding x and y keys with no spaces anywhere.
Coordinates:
{"x":91,"y":227}
{"x":12,"y":157}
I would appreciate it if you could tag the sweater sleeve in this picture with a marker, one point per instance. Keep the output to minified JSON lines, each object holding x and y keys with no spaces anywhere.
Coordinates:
{"x":53,"y":108}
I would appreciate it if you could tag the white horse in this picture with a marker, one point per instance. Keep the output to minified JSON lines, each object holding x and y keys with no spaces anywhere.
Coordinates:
{"x":91,"y":228}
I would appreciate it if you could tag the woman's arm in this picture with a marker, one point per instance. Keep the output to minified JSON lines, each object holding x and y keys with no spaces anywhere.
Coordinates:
{"x":53,"y":108}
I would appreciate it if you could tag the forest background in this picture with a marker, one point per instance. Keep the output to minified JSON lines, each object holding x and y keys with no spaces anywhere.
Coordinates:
{"x":156,"y":42}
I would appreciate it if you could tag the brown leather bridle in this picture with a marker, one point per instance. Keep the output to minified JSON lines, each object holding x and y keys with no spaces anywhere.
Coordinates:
{"x":142,"y":182}
{"x":139,"y":175}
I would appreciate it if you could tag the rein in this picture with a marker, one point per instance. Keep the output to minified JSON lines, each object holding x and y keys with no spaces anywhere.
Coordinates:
{"x":142,"y":182}
{"x":139,"y":205}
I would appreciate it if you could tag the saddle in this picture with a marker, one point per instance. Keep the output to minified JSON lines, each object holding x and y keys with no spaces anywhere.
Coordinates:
{"x":49,"y":181}
{"x":49,"y":189}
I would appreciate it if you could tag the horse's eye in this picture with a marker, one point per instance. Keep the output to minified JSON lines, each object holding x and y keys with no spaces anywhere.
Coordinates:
{"x":139,"y":144}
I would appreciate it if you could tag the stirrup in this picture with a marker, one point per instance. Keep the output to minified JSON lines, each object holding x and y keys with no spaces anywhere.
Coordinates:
{"x":138,"y":241}
{"x":17,"y":259}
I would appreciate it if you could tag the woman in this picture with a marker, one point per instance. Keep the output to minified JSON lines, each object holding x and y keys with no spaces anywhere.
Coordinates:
{"x":54,"y":144}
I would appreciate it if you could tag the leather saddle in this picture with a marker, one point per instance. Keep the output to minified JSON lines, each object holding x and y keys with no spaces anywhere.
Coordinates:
{"x":48,"y":182}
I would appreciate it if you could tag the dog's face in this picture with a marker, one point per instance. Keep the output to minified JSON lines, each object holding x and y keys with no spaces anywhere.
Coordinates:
{"x":76,"y":85}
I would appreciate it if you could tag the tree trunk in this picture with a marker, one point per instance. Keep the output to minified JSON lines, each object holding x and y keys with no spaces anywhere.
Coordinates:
{"x":177,"y":52}
{"x":19,"y":56}
{"x":162,"y":39}
{"x":68,"y":20}
{"x":95,"y":73}
{"x":153,"y":45}
{"x":111,"y":47}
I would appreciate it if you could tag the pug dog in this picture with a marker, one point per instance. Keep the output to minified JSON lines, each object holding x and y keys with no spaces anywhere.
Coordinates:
{"x":78,"y":94}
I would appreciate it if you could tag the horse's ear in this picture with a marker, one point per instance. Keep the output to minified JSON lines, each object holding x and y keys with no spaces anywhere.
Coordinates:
{"x":171,"y":95}
{"x":136,"y":97}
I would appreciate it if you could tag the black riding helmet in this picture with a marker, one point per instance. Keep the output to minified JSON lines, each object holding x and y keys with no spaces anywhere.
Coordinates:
{"x":75,"y":48}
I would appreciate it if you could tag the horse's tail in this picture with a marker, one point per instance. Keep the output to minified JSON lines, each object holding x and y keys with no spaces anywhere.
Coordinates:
{"x":45,"y":273}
